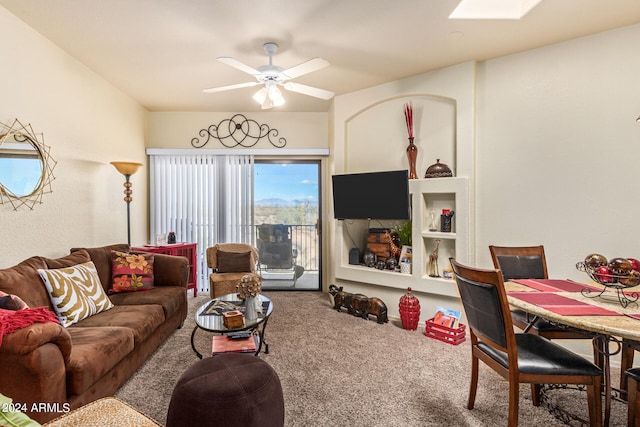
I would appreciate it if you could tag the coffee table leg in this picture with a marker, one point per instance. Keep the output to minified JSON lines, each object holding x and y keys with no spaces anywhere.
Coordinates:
{"x":193,"y":334}
{"x":262,"y":341}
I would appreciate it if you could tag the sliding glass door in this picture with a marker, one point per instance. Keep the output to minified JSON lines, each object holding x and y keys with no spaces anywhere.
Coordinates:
{"x":287,"y":223}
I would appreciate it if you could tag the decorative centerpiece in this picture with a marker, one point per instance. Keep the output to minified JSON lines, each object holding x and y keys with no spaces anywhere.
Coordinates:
{"x":248,"y":289}
{"x":412,"y":149}
{"x":617,"y":273}
{"x":250,"y":286}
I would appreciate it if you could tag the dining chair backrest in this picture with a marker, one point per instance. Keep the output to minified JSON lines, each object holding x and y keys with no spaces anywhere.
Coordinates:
{"x":485,"y":304}
{"x":520,"y":262}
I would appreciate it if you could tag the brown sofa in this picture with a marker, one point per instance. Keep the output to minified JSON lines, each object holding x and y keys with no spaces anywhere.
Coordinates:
{"x":58,"y":368}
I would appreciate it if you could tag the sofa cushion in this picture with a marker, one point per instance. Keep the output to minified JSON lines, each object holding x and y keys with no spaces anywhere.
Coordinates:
{"x":234,"y":262}
{"x":101,"y":257}
{"x":171,"y":298}
{"x":131,"y":272}
{"x":141,"y":319}
{"x":70,"y":260}
{"x":94,"y":352}
{"x":24,"y":281}
{"x":76,"y":292}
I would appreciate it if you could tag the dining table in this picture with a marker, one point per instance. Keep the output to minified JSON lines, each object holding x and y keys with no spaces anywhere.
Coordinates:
{"x":608,"y":314}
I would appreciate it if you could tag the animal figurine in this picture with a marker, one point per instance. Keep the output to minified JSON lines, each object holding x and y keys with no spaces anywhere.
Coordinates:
{"x":340,"y":298}
{"x":376,"y":307}
{"x":433,"y":261}
{"x":358,"y":304}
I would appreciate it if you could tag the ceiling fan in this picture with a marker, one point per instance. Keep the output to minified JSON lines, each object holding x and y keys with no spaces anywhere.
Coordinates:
{"x":273,"y":76}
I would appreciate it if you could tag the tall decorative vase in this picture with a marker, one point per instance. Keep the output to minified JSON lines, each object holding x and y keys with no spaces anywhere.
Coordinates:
{"x":412,"y":155}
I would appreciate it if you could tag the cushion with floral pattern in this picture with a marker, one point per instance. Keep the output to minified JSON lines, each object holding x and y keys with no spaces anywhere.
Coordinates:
{"x":131,"y":271}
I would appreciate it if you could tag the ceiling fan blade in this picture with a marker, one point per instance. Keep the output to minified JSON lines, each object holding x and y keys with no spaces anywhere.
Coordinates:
{"x":309,"y":90}
{"x":239,"y":65}
{"x":307,"y":67}
{"x":230,"y":87}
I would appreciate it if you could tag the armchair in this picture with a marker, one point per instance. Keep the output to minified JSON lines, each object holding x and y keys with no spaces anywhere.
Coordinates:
{"x":229,"y":262}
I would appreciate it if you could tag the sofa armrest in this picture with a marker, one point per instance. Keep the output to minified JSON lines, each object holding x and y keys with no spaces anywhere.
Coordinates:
{"x":169,"y":270}
{"x":37,"y":356}
{"x":28,"y":339}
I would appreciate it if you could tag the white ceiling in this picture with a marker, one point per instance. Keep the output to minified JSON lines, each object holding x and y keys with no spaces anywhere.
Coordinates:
{"x":163,"y":52}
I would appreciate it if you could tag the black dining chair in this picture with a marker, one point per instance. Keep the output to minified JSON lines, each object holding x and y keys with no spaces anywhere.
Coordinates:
{"x":633,"y":404}
{"x":518,"y":358}
{"x":529,"y":262}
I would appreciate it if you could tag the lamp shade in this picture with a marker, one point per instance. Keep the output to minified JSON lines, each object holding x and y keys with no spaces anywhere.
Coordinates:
{"x":127,"y":168}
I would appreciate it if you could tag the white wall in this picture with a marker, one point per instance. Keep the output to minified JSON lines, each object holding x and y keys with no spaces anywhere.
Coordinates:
{"x":87,"y":123}
{"x":558,"y":150}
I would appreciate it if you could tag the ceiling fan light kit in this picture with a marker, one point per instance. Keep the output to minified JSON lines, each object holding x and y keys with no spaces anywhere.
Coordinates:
{"x":273,"y":76}
{"x":269,"y":96}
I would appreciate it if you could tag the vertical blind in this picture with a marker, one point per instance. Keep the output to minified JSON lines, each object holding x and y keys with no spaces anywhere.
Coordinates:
{"x":205,"y":199}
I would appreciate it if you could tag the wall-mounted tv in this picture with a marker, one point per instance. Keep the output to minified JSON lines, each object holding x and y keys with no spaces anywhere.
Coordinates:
{"x":372,"y":195}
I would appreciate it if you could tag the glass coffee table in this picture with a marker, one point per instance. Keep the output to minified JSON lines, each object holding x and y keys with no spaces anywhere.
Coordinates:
{"x":209,"y":318}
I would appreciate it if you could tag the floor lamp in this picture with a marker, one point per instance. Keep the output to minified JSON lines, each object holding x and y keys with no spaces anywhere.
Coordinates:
{"x":127,"y":169}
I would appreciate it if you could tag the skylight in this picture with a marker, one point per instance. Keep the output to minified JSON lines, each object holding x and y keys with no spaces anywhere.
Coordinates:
{"x":493,"y":9}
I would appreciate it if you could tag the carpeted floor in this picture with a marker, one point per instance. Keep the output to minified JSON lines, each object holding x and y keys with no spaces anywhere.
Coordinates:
{"x":339,"y":370}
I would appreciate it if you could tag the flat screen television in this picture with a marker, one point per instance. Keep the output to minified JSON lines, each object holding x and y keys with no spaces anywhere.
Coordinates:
{"x":372,"y":195}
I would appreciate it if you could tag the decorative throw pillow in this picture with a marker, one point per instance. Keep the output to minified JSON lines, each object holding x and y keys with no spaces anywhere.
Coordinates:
{"x":11,"y":302}
{"x":76,"y":292}
{"x":131,"y":272}
{"x":234,"y":262}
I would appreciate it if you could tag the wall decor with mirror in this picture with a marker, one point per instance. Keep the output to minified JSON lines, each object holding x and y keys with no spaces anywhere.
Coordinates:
{"x":26,"y":166}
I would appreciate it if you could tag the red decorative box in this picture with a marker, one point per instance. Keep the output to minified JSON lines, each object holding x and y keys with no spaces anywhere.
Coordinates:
{"x":442,"y":333}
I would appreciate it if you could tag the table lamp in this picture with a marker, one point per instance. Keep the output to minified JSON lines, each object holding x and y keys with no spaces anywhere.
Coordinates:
{"x":127,"y":169}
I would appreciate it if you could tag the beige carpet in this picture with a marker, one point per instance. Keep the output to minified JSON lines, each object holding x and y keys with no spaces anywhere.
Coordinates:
{"x":339,"y":370}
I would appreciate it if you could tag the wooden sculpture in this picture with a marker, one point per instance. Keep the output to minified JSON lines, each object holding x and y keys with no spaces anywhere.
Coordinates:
{"x":358,"y":304}
{"x":433,"y":261}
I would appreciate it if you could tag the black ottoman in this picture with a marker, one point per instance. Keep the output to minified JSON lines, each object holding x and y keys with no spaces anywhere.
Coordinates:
{"x":231,"y":390}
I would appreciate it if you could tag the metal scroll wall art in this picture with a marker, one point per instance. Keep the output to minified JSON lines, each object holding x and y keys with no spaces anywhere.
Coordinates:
{"x":26,"y":166}
{"x":238,"y":131}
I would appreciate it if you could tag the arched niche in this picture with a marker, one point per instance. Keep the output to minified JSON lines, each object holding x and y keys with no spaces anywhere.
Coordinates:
{"x":376,"y":136}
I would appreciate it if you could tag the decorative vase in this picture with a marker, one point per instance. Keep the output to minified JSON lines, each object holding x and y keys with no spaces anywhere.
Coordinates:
{"x":369,"y":258}
{"x":409,"y":311}
{"x":438,"y":170}
{"x":412,"y":155}
{"x":250,"y":311}
{"x":445,"y":221}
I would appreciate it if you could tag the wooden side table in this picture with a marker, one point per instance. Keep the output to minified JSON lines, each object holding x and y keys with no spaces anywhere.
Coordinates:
{"x":188,"y":250}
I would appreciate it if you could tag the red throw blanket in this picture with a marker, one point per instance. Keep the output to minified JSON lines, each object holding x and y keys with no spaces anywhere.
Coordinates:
{"x":12,"y":320}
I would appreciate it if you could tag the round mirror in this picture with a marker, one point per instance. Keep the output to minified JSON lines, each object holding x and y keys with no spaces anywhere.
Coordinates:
{"x":26,"y":165}
{"x":21,"y":166}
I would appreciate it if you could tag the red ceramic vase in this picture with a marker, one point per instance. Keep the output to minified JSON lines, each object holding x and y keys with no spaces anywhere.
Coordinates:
{"x":409,"y":311}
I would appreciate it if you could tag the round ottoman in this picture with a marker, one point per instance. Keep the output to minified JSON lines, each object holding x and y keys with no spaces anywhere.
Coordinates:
{"x":230,"y":390}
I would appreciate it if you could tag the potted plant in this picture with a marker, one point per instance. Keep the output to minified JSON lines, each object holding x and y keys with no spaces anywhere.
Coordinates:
{"x":404,"y":232}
